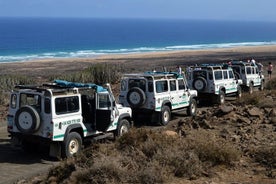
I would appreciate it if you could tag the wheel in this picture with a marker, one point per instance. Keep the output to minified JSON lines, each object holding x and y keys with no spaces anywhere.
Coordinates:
{"x":191,"y":110}
{"x":136,"y":97}
{"x":199,"y":83}
{"x":261,"y":88}
{"x":239,"y":92}
{"x":71,"y":145}
{"x":165,"y":115}
{"x":221,"y":97}
{"x":27,"y":119}
{"x":123,"y":127}
{"x":250,"y":88}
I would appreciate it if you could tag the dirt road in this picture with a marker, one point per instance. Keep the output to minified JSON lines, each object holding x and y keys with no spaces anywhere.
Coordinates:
{"x":15,"y":164}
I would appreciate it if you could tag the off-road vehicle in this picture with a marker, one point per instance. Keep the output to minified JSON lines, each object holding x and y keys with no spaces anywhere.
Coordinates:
{"x":214,"y":82}
{"x":64,"y":115}
{"x":249,"y":74}
{"x":156,"y":94}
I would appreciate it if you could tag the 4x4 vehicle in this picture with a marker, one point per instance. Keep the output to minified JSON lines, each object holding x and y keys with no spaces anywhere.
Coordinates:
{"x":63,"y":114}
{"x":215,"y":81}
{"x":249,"y":74}
{"x":157,"y":94}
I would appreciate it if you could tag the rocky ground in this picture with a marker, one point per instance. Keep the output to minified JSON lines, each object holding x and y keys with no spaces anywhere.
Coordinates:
{"x":249,"y":127}
{"x":249,"y":123}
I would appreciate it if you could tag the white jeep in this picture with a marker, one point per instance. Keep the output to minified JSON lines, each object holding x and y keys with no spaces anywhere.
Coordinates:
{"x":214,"y":82}
{"x":249,"y":74}
{"x":157,"y":94}
{"x":63,"y":115}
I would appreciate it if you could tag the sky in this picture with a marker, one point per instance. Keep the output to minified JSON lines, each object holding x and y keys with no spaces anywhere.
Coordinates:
{"x":248,"y":10}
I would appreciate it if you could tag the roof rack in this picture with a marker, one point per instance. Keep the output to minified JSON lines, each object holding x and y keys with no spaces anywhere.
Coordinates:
{"x":155,"y":74}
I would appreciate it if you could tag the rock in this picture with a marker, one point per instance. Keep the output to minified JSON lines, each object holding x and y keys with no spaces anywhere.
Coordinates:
{"x":226,"y":109}
{"x":256,"y":112}
{"x":170,"y":133}
{"x":272,"y":113}
{"x":243,"y":120}
{"x":205,"y":124}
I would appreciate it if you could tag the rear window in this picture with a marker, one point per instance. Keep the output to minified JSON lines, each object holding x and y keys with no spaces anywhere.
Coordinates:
{"x":140,"y":83}
{"x":200,"y":73}
{"x":33,"y":100}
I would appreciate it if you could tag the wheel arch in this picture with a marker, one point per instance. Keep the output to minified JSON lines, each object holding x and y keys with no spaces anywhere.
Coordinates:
{"x":167,"y":103}
{"x":222,"y":88}
{"x":125,"y":116}
{"x":74,"y":128}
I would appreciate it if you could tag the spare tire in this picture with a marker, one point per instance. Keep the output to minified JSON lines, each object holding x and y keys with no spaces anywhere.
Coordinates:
{"x":27,"y":119}
{"x":136,"y":97}
{"x":199,"y":83}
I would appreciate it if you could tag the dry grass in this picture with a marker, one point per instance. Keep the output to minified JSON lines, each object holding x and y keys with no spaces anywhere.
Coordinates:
{"x":146,"y":156}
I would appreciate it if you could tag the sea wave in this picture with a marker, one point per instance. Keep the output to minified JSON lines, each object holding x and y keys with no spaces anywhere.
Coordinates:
{"x":95,"y":53}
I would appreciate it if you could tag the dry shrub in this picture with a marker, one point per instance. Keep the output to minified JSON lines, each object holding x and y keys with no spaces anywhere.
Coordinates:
{"x":271,"y":84}
{"x":250,"y":99}
{"x":212,"y":149}
{"x":61,"y":172}
{"x":266,"y":156}
{"x":146,"y":156}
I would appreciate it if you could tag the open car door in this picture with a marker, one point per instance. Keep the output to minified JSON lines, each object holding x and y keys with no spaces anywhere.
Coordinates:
{"x":103,"y":112}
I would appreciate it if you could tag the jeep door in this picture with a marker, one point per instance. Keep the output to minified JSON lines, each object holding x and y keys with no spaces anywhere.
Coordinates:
{"x":179,"y":96}
{"x":252,"y":76}
{"x":104,"y":112}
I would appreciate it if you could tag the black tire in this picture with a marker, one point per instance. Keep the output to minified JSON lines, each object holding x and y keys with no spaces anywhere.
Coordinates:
{"x":123,"y":127}
{"x":199,"y":83}
{"x":221,"y":97}
{"x":27,"y":120}
{"x":192,"y":109}
{"x":71,"y":145}
{"x":165,"y":116}
{"x":136,"y":97}
{"x":261,"y":88}
{"x":250,"y":88}
{"x":239,"y":92}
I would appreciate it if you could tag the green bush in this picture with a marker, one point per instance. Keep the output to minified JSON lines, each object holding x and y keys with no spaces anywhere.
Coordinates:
{"x":99,"y":73}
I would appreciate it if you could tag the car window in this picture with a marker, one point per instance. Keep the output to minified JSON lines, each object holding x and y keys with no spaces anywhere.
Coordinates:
{"x":181,"y":84}
{"x":65,"y":105}
{"x":33,"y":100}
{"x":210,"y":75}
{"x":231,"y":75}
{"x":225,"y":75}
{"x":199,"y":73}
{"x":140,"y":83}
{"x":218,"y":75}
{"x":104,"y":101}
{"x":173,"y":85}
{"x":248,"y":70}
{"x":161,"y":86}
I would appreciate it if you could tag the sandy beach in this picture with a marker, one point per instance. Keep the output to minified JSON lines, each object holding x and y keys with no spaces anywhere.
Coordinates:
{"x":141,"y":61}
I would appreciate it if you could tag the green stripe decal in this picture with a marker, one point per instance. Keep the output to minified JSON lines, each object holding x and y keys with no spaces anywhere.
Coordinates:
{"x":62,"y":135}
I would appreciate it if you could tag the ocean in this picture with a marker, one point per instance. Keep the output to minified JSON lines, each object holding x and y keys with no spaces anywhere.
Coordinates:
{"x":23,"y":39}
